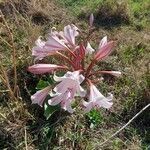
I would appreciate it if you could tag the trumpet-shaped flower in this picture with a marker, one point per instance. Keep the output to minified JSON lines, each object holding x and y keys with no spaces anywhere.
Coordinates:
{"x":57,"y":41}
{"x":97,"y":100}
{"x":70,"y":32}
{"x":44,"y":68}
{"x":67,"y":89}
{"x":40,"y":50}
{"x":64,"y":99}
{"x":104,"y":49}
{"x":50,"y":47}
{"x":54,"y":43}
{"x":71,"y":80}
{"x":39,"y":96}
{"x":114,"y":73}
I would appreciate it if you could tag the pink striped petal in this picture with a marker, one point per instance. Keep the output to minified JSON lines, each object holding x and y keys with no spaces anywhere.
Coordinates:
{"x":103,"y":42}
{"x":97,"y":100}
{"x":104,"y":51}
{"x":64,"y":99}
{"x":54,"y":43}
{"x":41,"y":50}
{"x":44,"y":68}
{"x":55,"y":100}
{"x":40,"y":53}
{"x":87,"y":106}
{"x":39,"y":96}
{"x":67,"y":106}
{"x":70,"y":32}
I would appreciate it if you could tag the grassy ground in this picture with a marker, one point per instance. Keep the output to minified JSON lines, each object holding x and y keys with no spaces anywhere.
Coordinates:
{"x":23,"y":126}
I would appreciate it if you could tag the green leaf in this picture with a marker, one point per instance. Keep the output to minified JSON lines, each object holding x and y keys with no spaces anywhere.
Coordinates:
{"x":50,"y":79}
{"x":42,"y":84}
{"x":94,"y":118}
{"x":49,"y":110}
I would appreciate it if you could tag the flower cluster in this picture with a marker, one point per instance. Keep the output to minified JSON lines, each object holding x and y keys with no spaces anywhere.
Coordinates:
{"x":78,"y":61}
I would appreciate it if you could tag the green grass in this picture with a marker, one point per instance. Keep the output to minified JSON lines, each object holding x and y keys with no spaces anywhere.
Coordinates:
{"x":76,"y":7}
{"x":135,"y":12}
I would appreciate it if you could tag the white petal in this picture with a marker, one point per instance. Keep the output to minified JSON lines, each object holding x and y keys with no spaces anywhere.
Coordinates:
{"x":88,"y":106}
{"x":104,"y":103}
{"x":114,"y":73}
{"x":69,"y":109}
{"x":67,"y":106}
{"x":54,"y":43}
{"x":39,"y":96}
{"x":69,"y":34}
{"x":98,"y":99}
{"x":68,"y":74}
{"x":89,"y":49}
{"x":81,"y":92}
{"x":58,"y":79}
{"x":40,"y":42}
{"x":81,"y":78}
{"x":110,"y":97}
{"x":52,"y":94}
{"x":55,"y":100}
{"x":94,"y":93}
{"x":64,"y":85}
{"x":75,"y":74}
{"x":103,"y":42}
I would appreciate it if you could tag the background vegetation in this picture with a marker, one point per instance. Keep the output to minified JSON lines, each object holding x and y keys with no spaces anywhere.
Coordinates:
{"x":24,"y":126}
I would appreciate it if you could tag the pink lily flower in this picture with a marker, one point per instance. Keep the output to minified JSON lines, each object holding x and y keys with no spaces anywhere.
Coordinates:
{"x":57,"y":41}
{"x":64,"y":99}
{"x":114,"y":73}
{"x":44,"y":68}
{"x":67,"y":89}
{"x":54,"y":43}
{"x":97,"y":100}
{"x":71,"y":80}
{"x":49,"y":47}
{"x":69,"y":34}
{"x":40,"y":50}
{"x":39,"y":96}
{"x":104,"y":49}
